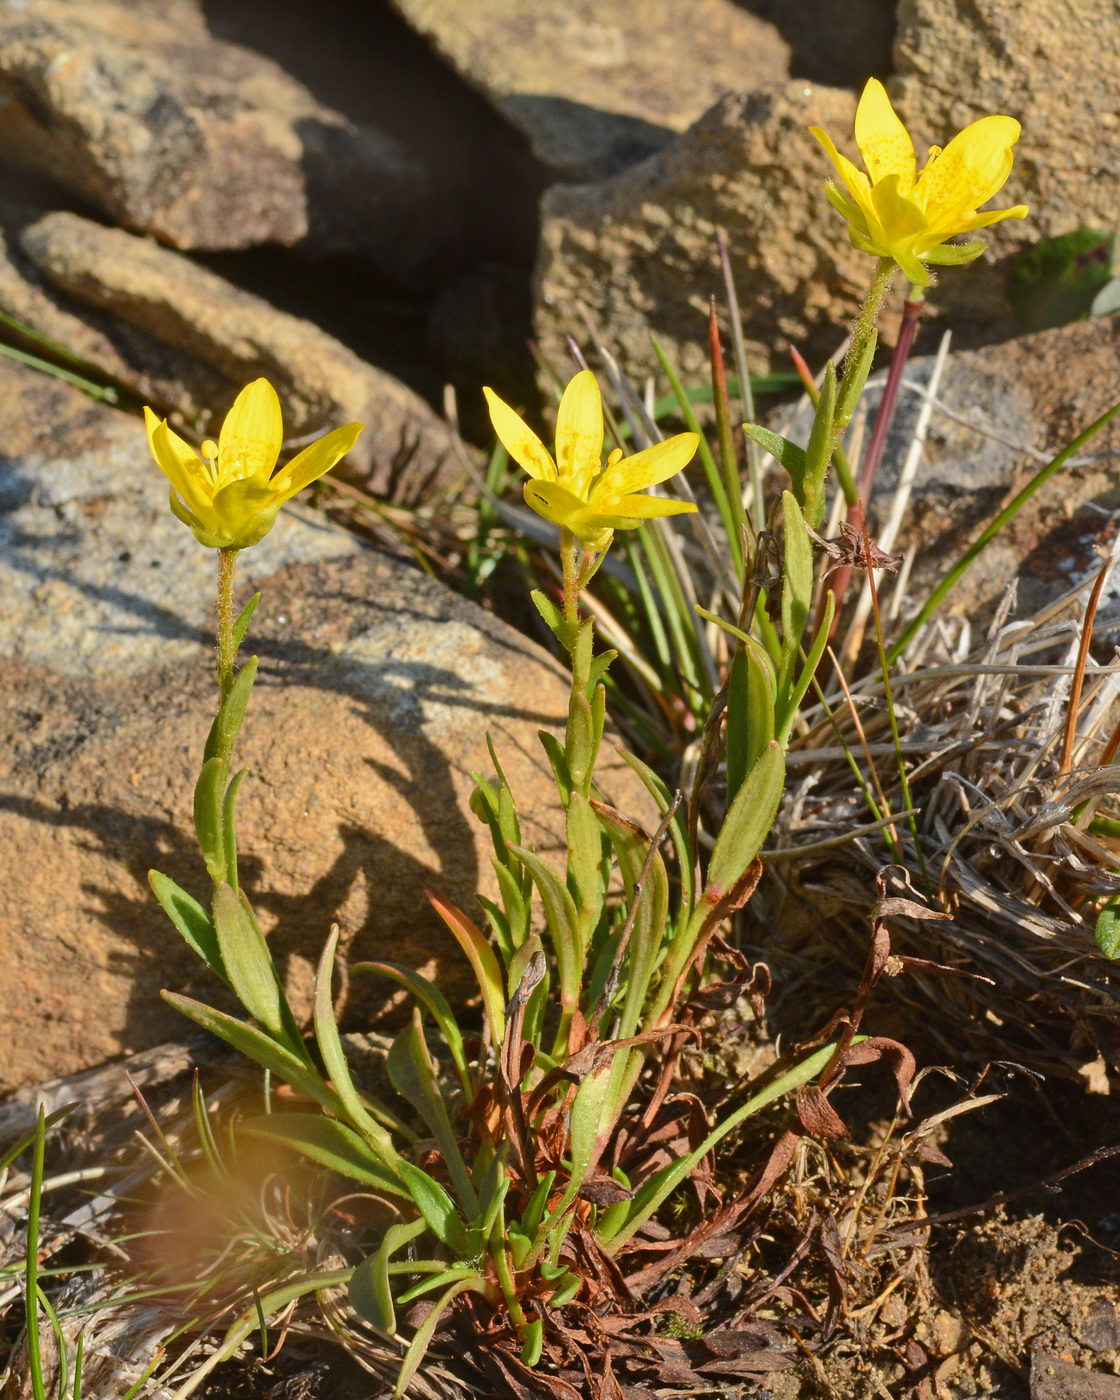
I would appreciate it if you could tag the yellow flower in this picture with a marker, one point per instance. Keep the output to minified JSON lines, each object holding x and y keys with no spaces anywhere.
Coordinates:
{"x":229,"y":496}
{"x":577,"y":491}
{"x":893,"y":212}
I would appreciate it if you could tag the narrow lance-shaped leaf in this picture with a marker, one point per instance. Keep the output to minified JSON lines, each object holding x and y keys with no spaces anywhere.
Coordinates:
{"x":797,"y":587}
{"x":190,"y":918}
{"x":260,"y":1047}
{"x":371,"y":1295}
{"x":818,"y":453}
{"x":247,"y":960}
{"x":748,"y":822}
{"x":789,"y":454}
{"x":432,"y":999}
{"x":330,"y":1143}
{"x":209,"y":792}
{"x":334,"y":1059}
{"x":482,"y":960}
{"x":229,"y":719}
{"x":410,"y":1069}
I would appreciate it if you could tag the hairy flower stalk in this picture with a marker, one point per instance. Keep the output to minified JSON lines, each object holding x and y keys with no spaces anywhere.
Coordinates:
{"x":906,"y":219}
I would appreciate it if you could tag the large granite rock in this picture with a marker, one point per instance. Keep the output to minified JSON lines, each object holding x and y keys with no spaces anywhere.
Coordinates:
{"x":202,"y":143}
{"x":182,"y":338}
{"x":377,"y":689}
{"x":1054,"y":64}
{"x":599,"y":84}
{"x":639,"y":252}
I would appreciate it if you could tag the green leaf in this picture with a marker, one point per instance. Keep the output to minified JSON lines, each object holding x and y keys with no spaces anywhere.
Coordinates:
{"x":748,"y":821}
{"x":229,"y":824}
{"x":581,"y":742}
{"x":413,"y":1076}
{"x":482,"y":960}
{"x":651,"y":918}
{"x":678,"y":831}
{"x":532,"y":1341}
{"x":433,"y":1001}
{"x":334,"y":1059}
{"x":750,"y":728}
{"x":570,"y":1284}
{"x":553,"y":616}
{"x":563,"y":924}
{"x":1058,"y":279}
{"x":247,"y":960}
{"x":436,"y":1206}
{"x":786,"y":712}
{"x":371,"y":1295}
{"x":1107,"y":931}
{"x":229,"y":719}
{"x":797,"y":587}
{"x":244,"y":617}
{"x":590,"y":1125}
{"x":955,"y":254}
{"x":585,"y":853}
{"x":782,"y":450}
{"x":818,"y":453}
{"x":331,"y":1144}
{"x":209,"y":827}
{"x":655,"y":1189}
{"x":258,"y":1046}
{"x":422,"y":1338}
{"x":554,"y":751}
{"x":190,"y":918}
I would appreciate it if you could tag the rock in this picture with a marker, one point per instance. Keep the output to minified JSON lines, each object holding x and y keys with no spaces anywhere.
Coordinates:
{"x":639,"y":251}
{"x":1053,"y":1378}
{"x":598,"y":86}
{"x":181,"y":337}
{"x":204,"y":144}
{"x":1007,"y":409}
{"x":842,"y":45}
{"x":377,"y":688}
{"x":1054,"y":64}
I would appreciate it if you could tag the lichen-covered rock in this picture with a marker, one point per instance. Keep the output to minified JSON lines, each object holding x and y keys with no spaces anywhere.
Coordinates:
{"x":1053,"y":64}
{"x":202,"y":143}
{"x":599,"y":84}
{"x":183,"y":338}
{"x":639,"y":251}
{"x":377,"y":689}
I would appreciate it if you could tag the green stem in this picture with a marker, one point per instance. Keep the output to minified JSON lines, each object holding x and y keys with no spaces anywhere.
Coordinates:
{"x":227,"y":559}
{"x":866,"y":322}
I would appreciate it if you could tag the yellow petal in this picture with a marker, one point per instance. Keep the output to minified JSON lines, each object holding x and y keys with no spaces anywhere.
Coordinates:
{"x":314,"y":461}
{"x":629,"y":511}
{"x":519,"y":440}
{"x":562,"y":508}
{"x":647,"y":468}
{"x":249,"y":442}
{"x":180,"y":464}
{"x":969,"y":171}
{"x":855,"y":181}
{"x":993,"y":216}
{"x":899,"y":216}
{"x":579,"y":432}
{"x":883,"y":141}
{"x":243,"y":513}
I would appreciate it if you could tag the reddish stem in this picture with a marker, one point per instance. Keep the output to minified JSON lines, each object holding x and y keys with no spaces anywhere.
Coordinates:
{"x":911,"y":312}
